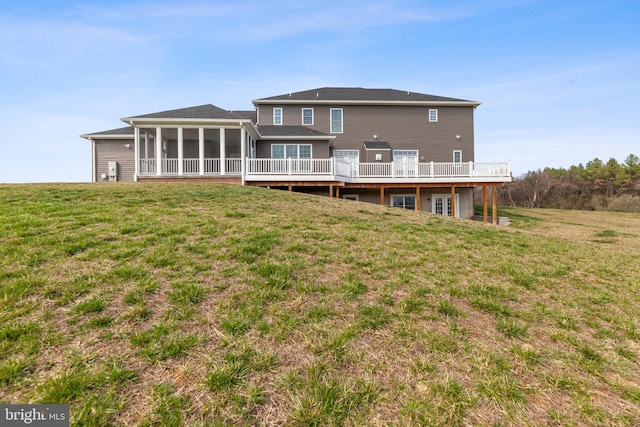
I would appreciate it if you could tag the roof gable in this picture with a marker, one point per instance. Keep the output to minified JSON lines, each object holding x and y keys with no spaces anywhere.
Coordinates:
{"x":358,"y":94}
{"x":119,"y":133}
{"x":207,"y":111}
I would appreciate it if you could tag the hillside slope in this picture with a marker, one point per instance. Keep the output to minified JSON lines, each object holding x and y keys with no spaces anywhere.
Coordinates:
{"x":175,"y":304}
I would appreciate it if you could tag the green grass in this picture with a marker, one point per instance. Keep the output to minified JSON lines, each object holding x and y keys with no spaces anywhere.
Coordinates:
{"x":201,"y":304}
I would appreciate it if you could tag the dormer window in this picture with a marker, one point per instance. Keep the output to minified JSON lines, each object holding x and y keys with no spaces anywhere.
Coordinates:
{"x":277,"y":116}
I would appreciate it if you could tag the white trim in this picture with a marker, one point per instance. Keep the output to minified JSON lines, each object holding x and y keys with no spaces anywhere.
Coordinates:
{"x":403,"y":195}
{"x":312,"y":116}
{"x":180,"y":151}
{"x":281,"y":116}
{"x":447,"y":198}
{"x":331,"y":110}
{"x":94,"y":178}
{"x":297,"y":151}
{"x":136,"y":153}
{"x":365,"y":102}
{"x":454,"y":156}
{"x":434,"y":118}
{"x":201,"y":151}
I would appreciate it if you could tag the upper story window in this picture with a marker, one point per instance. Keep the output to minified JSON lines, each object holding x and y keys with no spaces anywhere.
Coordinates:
{"x":307,"y":116}
{"x":433,"y":115}
{"x":336,"y":120}
{"x":457,"y":156}
{"x":277,"y":116}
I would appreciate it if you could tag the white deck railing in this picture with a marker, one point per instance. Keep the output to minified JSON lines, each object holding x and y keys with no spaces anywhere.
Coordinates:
{"x":377,"y":170}
{"x":191,"y":167}
{"x":290,"y":167}
{"x":331,"y":168}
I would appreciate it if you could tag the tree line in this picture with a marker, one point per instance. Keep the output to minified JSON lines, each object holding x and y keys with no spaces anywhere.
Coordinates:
{"x":594,"y":186}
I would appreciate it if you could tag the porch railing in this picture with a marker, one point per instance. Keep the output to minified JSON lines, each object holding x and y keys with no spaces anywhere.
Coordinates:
{"x":191,"y":166}
{"x":377,"y":170}
{"x":290,"y":167}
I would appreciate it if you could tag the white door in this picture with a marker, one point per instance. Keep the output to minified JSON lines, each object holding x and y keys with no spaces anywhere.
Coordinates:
{"x":405,"y":162}
{"x":441,"y":204}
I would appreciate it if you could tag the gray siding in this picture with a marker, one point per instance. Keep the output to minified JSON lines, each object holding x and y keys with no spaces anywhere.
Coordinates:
{"x":404,"y":127}
{"x":108,"y":150}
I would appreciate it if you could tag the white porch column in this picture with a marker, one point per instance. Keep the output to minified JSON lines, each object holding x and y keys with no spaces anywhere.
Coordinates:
{"x":201,"y":150}
{"x":180,"y":152}
{"x":158,"y":151}
{"x":243,"y":151}
{"x":146,"y":146}
{"x":223,"y":156}
{"x":136,"y":153}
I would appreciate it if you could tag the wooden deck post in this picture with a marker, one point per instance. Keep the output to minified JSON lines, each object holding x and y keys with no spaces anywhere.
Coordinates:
{"x":381,"y":196}
{"x":290,"y":187}
{"x":330,"y":191}
{"x":338,"y":192}
{"x":417,"y":198}
{"x":495,"y":205}
{"x":485,"y":204}
{"x":453,"y":201}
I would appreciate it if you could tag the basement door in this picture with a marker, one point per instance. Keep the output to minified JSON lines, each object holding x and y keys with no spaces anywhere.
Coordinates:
{"x":441,"y":204}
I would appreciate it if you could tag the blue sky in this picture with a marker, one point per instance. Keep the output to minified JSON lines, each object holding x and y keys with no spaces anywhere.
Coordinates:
{"x":559,"y":80}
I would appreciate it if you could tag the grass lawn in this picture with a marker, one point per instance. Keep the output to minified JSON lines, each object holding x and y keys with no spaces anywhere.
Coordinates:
{"x":199,"y":304}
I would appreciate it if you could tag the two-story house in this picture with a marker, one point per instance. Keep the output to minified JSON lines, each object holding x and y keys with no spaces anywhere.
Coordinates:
{"x":384,"y":146}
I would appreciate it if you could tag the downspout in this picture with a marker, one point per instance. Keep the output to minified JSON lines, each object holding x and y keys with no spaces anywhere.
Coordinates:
{"x":93,"y":160}
{"x":243,"y":151}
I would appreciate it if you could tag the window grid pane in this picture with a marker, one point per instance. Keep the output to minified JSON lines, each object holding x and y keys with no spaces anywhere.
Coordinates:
{"x":336,"y":120}
{"x":307,"y":116}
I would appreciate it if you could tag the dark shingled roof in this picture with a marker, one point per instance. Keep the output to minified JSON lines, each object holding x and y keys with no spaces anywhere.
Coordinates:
{"x":247,"y":114}
{"x":359,"y":94}
{"x":128,"y":130}
{"x":289,"y":131}
{"x":207,"y":111}
{"x":377,"y":145}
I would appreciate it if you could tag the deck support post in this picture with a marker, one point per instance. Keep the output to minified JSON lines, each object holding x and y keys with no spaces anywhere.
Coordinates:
{"x":417,"y":197}
{"x":495,"y":205}
{"x":484,"y":204}
{"x":381,"y":196}
{"x":453,"y":201}
{"x":330,"y":191}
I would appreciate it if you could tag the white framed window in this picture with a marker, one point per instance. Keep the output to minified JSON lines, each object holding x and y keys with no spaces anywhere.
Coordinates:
{"x":405,"y":163}
{"x":307,"y":116}
{"x":277,"y":116}
{"x":355,"y":197}
{"x":433,"y":115}
{"x":457,"y":156}
{"x":405,"y":201}
{"x":441,"y":204}
{"x":291,"y":151}
{"x":336,"y":120}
